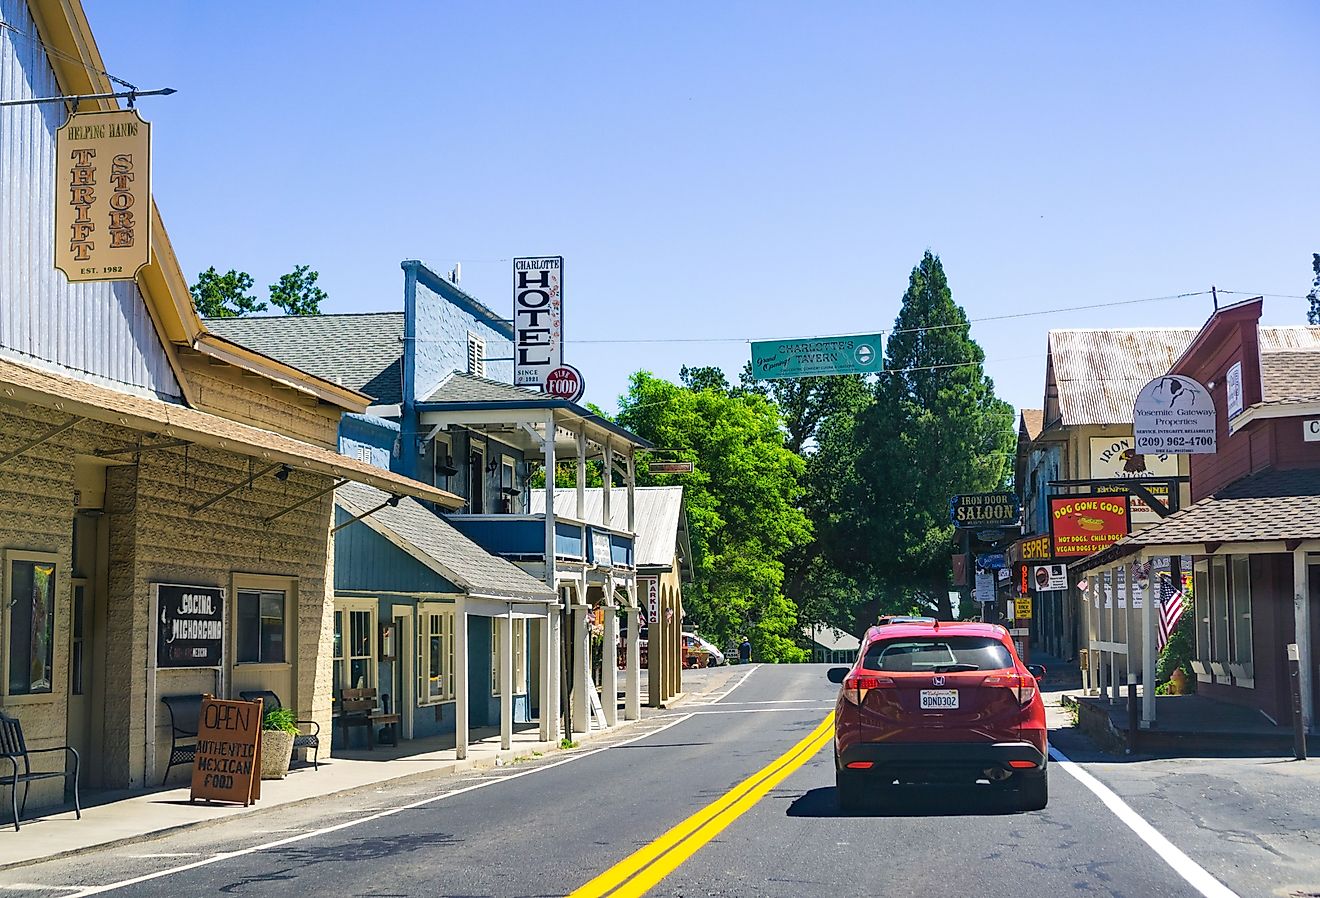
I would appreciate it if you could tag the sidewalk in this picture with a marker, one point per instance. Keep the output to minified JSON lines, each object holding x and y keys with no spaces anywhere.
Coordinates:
{"x":129,"y":816}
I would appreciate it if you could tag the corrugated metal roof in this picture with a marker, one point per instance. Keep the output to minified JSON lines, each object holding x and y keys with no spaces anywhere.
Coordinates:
{"x":658,"y":510}
{"x":832,"y":639}
{"x":1283,"y":339}
{"x":1098,"y":373}
{"x":435,"y":542}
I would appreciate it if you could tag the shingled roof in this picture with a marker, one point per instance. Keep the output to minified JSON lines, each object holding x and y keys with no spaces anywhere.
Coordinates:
{"x":1265,"y":507}
{"x":435,"y":543}
{"x":362,"y":351}
{"x":1291,"y":375}
{"x":460,"y":387}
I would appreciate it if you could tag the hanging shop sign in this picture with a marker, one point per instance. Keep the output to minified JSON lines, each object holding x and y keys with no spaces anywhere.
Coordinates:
{"x":226,"y":766}
{"x":818,"y":356}
{"x":190,"y":625}
{"x":1233,"y":389}
{"x":1115,"y":457}
{"x":991,"y":561}
{"x":981,"y":509}
{"x":1081,"y":525}
{"x":1047,"y":577}
{"x":103,"y":196}
{"x":565,"y":382}
{"x":984,"y":590}
{"x":1037,"y":548}
{"x":538,"y":319}
{"x":1022,"y":608}
{"x":1173,"y":414}
{"x":669,"y":467}
{"x":651,"y":587}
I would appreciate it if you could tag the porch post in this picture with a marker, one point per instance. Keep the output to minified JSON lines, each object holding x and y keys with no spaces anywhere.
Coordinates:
{"x":607,"y":481}
{"x":1130,"y":632}
{"x":1094,"y":610}
{"x":582,"y":670}
{"x":1114,"y":685}
{"x":548,"y":448}
{"x":543,"y":680}
{"x":506,"y":679}
{"x":1302,"y":630}
{"x":1149,"y":648}
{"x":556,"y":664}
{"x":460,"y":679}
{"x":581,"y":438}
{"x":632,"y":706}
{"x":631,"y":481}
{"x":609,"y":658}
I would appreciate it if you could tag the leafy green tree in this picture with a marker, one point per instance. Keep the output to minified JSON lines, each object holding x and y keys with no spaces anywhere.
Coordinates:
{"x":741,"y":498}
{"x":805,"y":403}
{"x":935,"y":429}
{"x":225,"y":295}
{"x":1313,"y":316}
{"x":296,"y":292}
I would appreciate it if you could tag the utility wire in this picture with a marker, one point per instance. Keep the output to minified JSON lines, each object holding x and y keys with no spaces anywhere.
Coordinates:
{"x":68,"y":57}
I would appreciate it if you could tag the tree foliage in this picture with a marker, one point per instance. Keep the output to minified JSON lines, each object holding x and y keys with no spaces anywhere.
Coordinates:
{"x":228,"y":295}
{"x":742,"y":501}
{"x":1313,"y":315}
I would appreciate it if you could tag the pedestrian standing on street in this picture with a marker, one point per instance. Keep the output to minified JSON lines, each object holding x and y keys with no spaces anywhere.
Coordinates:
{"x":745,"y":651}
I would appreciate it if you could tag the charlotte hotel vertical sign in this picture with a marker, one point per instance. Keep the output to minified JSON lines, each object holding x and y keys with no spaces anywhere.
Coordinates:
{"x":103,"y":195}
{"x":538,"y":319}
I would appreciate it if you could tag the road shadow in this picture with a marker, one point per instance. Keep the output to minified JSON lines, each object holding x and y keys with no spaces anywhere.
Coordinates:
{"x":911,"y":801}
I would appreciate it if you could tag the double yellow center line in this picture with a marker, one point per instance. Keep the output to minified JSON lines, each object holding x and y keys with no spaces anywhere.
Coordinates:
{"x":636,"y":874}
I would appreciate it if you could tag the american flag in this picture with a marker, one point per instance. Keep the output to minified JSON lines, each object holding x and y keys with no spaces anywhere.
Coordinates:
{"x":1171,"y":608}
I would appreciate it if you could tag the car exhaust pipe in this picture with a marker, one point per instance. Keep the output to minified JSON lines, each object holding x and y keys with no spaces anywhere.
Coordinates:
{"x":996,"y":774}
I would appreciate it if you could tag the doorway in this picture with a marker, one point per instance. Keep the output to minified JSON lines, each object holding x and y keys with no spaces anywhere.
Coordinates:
{"x":86,"y":652}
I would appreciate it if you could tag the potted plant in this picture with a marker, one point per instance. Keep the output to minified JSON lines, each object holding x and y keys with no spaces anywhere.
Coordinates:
{"x":278,"y":729}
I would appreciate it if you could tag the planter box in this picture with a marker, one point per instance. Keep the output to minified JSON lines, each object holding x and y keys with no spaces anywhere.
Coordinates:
{"x":276,"y":753}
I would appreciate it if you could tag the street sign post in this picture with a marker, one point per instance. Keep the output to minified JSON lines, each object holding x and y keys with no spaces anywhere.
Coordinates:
{"x":818,"y":357}
{"x":669,"y":467}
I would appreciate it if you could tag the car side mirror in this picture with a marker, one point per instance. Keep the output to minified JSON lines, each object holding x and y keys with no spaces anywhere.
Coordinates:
{"x":836,"y":674}
{"x":1036,"y":671}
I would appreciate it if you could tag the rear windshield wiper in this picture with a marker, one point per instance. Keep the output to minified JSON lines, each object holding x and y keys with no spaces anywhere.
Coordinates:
{"x":955,"y":668}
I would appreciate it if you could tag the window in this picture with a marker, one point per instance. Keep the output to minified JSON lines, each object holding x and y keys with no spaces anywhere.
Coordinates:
{"x":444,"y":462}
{"x":1241,"y":609}
{"x":78,"y":640}
{"x":477,"y":481}
{"x":508,"y":485}
{"x":31,"y":625}
{"x":364,"y":453}
{"x":476,"y":355}
{"x":260,"y":627}
{"x":1219,"y":613}
{"x":435,"y":655}
{"x":1201,"y":595}
{"x":519,"y":655}
{"x":355,"y":645}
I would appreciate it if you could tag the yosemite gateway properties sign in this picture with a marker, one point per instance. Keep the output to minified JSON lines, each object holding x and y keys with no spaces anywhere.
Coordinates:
{"x":538,"y":319}
{"x":103,"y":196}
{"x":985,"y":510}
{"x":1173,"y":414}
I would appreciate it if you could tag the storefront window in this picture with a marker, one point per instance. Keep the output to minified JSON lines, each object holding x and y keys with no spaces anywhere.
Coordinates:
{"x":31,"y":626}
{"x":1220,"y":619}
{"x":1201,"y":595}
{"x":1241,"y":609}
{"x":260,"y":627}
{"x":359,"y":649}
{"x":435,"y":656}
{"x":354,"y":646}
{"x":338,"y":683}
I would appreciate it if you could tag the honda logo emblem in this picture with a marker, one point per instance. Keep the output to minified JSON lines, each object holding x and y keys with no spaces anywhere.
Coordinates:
{"x":937,"y":681}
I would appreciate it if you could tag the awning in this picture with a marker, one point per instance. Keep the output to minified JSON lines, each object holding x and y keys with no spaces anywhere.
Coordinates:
{"x":20,"y":383}
{"x":434,"y":542}
{"x":1273,"y":511}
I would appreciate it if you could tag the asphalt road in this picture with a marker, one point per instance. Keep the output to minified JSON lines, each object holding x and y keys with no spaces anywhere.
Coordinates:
{"x":548,"y":826}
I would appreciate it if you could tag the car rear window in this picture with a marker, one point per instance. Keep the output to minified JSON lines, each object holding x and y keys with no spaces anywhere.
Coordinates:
{"x":934,"y":653}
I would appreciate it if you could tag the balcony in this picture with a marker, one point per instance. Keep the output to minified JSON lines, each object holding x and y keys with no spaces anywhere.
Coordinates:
{"x":522,"y":537}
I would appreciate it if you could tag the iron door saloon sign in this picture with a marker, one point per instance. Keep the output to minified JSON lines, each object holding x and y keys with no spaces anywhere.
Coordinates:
{"x":190,"y":623}
{"x":103,"y":196}
{"x":980,"y":509}
{"x":538,"y":319}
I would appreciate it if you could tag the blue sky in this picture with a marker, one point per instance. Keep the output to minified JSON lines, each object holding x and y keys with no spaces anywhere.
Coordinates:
{"x":726,"y":171}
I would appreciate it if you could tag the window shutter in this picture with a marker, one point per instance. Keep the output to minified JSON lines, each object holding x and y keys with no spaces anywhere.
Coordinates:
{"x":476,"y":357}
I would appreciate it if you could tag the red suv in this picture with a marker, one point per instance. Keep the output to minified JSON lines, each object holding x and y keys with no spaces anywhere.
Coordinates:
{"x":939,"y":702}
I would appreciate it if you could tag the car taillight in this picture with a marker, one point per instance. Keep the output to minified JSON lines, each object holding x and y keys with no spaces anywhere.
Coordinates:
{"x":1023,"y":686}
{"x":855,"y":686}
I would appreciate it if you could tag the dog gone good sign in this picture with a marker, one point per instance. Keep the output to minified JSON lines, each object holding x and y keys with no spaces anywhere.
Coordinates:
{"x":1081,"y":525}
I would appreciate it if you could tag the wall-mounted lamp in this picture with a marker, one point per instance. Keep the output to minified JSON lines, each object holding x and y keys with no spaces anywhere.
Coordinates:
{"x":283,"y":473}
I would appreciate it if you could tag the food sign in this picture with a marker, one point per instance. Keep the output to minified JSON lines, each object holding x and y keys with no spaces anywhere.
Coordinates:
{"x":1081,"y":525}
{"x":190,"y":625}
{"x":227,"y":764}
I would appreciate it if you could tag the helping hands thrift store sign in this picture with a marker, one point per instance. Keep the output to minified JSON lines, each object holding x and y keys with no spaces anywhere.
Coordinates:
{"x":103,"y":196}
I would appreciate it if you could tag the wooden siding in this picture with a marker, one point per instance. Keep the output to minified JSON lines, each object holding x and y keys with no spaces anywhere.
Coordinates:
{"x":224,"y":390}
{"x":97,"y":331}
{"x":365,"y":561}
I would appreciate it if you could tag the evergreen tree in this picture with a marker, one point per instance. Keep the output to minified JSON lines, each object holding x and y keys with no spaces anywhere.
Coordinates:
{"x":1313,"y":315}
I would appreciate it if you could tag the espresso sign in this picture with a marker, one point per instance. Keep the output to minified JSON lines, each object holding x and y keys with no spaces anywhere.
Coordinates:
{"x":103,"y":196}
{"x":227,"y":765}
{"x":538,"y":319}
{"x":190,"y":626}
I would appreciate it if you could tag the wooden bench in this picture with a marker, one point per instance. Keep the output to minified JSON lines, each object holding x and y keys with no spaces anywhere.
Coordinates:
{"x":271,"y":702}
{"x":357,"y":708}
{"x":14,"y":748}
{"x":185,"y":711}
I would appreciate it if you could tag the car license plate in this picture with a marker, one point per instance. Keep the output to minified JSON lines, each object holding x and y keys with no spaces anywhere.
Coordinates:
{"x":939,"y":699}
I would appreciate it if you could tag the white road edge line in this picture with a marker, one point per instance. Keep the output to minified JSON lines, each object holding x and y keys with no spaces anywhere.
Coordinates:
{"x":1196,"y":875}
{"x":725,"y":694}
{"x":797,"y":710}
{"x":777,"y":701}
{"x":279,"y":843}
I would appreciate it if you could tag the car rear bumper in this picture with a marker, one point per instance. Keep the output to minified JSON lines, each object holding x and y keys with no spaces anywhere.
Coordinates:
{"x":935,"y":761}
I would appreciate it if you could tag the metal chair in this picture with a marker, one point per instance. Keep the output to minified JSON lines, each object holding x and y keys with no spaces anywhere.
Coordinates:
{"x":13,"y":747}
{"x":271,"y":702}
